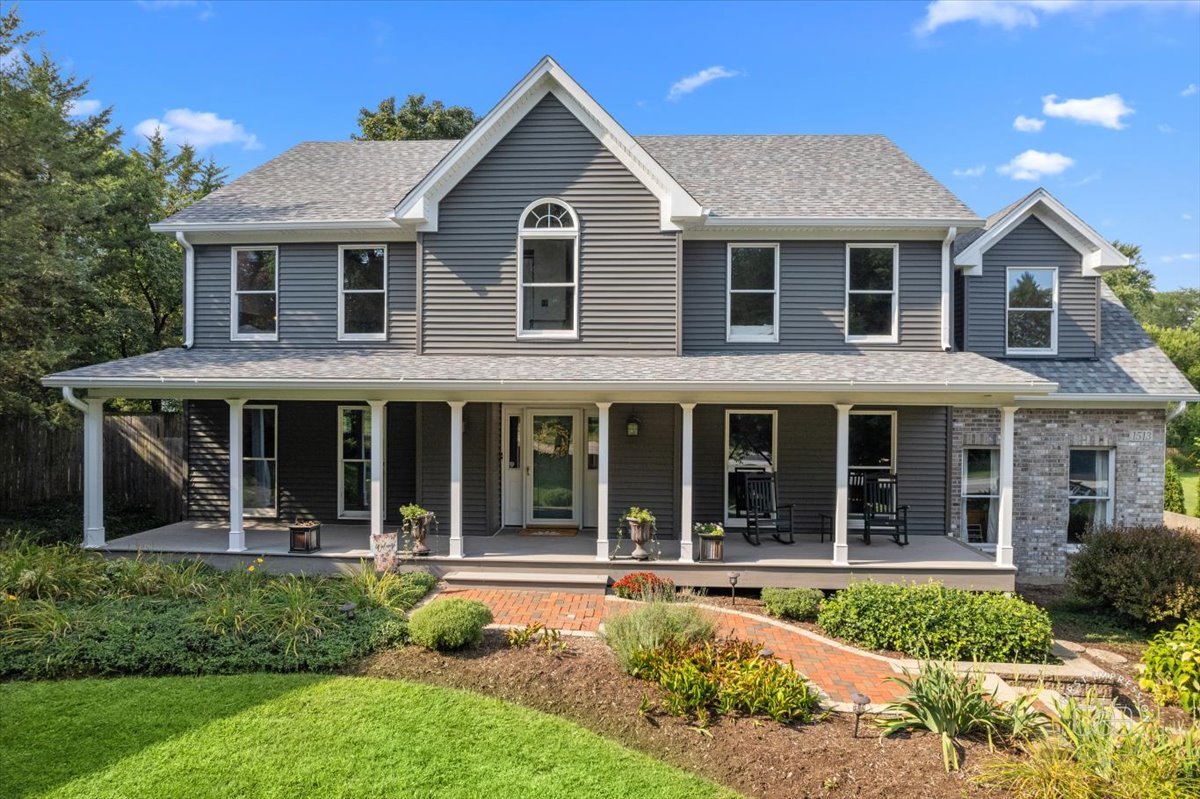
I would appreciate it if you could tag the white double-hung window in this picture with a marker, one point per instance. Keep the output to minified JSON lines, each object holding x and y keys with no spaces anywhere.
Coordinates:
{"x":254,"y":303}
{"x":1031,"y":311}
{"x":752,"y":311}
{"x":872,"y":293}
{"x":548,"y":271}
{"x":1089,"y":490}
{"x":362,"y":295}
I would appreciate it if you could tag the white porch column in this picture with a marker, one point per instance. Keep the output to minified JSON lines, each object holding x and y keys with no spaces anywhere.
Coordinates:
{"x":685,"y":490}
{"x":456,"y":493}
{"x":1004,"y":545}
{"x":378,"y":423}
{"x":602,"y":484}
{"x":237,"y":533}
{"x":841,"y":510}
{"x":93,"y":475}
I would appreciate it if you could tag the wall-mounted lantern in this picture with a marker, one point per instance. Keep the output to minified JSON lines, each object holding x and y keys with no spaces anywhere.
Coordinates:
{"x":633,"y":426}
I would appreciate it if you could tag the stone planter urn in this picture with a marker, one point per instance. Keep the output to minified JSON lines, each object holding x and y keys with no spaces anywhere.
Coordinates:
{"x":641,"y":528}
{"x":418,"y":529}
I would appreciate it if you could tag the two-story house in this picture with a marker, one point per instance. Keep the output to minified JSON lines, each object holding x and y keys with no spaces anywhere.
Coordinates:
{"x":536,"y":327}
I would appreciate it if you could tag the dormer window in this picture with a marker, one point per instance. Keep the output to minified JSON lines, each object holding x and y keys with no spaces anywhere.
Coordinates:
{"x":548,"y":272}
{"x":1032,"y":311}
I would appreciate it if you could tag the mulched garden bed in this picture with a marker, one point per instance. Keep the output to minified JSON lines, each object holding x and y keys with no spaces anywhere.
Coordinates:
{"x":756,"y":757}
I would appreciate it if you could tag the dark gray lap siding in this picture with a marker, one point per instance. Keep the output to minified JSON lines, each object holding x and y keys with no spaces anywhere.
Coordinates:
{"x":807,"y":456}
{"x":307,"y":465}
{"x":812,"y":297}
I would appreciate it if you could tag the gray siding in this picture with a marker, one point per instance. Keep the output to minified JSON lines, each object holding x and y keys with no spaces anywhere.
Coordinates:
{"x":644,"y":471}
{"x":480,"y":498}
{"x":812,"y":297}
{"x":807,"y":454}
{"x":308,"y":295}
{"x":1032,"y":244}
{"x":307,"y":459}
{"x":627,"y":280}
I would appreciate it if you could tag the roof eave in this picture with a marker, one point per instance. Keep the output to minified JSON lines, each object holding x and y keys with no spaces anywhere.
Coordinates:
{"x":168,"y":226}
{"x":843,"y":222}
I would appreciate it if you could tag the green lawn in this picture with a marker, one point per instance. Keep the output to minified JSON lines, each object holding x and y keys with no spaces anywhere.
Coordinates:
{"x":1191,"y":491}
{"x":294,"y":736}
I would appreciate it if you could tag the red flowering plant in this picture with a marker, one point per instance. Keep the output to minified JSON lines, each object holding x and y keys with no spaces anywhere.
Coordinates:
{"x":644,"y":585}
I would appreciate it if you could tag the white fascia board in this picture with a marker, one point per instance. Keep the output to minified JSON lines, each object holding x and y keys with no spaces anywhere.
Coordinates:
{"x":851,"y":223}
{"x":1107,"y":400}
{"x":420,"y":206}
{"x":223,"y":227}
{"x":1098,"y":256}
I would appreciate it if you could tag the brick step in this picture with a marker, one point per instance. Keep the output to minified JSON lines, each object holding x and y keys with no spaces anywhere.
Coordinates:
{"x":532,"y":581}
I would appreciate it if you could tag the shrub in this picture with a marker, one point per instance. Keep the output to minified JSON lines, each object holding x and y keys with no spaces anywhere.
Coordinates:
{"x":798,"y":604}
{"x":652,"y":626}
{"x":1149,"y":574}
{"x":1172,"y":666}
{"x":644,"y":585}
{"x":932,"y":621}
{"x":1089,"y":755}
{"x":954,"y":706}
{"x":449,"y":623}
{"x":366,"y":587}
{"x":725,"y":677}
{"x":1173,"y":490}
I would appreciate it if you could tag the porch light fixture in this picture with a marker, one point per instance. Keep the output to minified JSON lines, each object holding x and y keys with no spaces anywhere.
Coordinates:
{"x":633,"y":426}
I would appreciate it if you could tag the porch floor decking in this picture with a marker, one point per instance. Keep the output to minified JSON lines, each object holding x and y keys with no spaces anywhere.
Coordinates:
{"x":807,"y":562}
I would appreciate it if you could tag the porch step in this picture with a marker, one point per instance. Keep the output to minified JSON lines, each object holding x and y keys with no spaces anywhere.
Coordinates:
{"x":533,"y":581}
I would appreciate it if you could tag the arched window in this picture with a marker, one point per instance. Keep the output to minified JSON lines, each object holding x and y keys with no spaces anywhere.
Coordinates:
{"x":548,"y":272}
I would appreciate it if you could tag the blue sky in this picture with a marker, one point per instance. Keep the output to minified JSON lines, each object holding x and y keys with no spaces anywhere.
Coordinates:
{"x":1107,"y":91}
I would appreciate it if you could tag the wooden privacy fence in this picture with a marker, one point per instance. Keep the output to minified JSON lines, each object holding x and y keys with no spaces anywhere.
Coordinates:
{"x":145,"y":463}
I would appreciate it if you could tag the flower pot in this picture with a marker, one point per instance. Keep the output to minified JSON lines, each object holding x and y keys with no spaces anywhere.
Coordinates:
{"x":712,"y":548}
{"x":639,"y":534}
{"x":304,"y":536}
{"x":419,"y":530}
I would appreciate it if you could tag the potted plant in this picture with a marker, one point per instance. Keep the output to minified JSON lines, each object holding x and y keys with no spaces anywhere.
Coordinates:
{"x":304,"y":535}
{"x":416,"y":526}
{"x":712,"y":540}
{"x":641,"y":528}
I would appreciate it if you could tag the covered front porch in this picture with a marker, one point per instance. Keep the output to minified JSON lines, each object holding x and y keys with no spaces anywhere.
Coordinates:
{"x":805,"y":563}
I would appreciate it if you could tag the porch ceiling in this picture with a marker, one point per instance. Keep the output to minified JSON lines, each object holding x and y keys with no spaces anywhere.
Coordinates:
{"x":919,"y":376}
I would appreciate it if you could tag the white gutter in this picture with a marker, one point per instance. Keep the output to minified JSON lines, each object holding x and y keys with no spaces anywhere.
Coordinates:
{"x":947,"y":245}
{"x":75,"y":402}
{"x":836,"y":221}
{"x":1140,"y":400}
{"x":316,"y":224}
{"x":189,"y":289}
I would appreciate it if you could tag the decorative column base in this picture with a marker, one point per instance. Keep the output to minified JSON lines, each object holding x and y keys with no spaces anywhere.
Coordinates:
{"x":601,"y":549}
{"x":237,"y":541}
{"x":841,"y":555}
{"x":686,"y":554}
{"x":1004,"y":556}
{"x":93,"y":538}
{"x":456,"y":548}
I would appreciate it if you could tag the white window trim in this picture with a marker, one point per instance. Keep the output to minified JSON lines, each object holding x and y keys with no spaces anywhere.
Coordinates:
{"x":894,"y":336}
{"x":343,"y":291}
{"x":524,"y":233}
{"x":234,"y":335}
{"x":963,"y":496}
{"x":1110,"y":499}
{"x":774,"y":414}
{"x":1053,"y":310}
{"x":272,"y":512}
{"x":895,"y":437}
{"x":730,"y":337}
{"x":341,"y":461}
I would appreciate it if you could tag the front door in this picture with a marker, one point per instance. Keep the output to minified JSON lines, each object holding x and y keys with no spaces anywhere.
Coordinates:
{"x":552,"y":478}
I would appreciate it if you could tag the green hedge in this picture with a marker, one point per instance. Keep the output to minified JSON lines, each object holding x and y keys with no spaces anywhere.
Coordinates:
{"x":449,"y":623}
{"x":797,"y":604}
{"x":934,"y":622}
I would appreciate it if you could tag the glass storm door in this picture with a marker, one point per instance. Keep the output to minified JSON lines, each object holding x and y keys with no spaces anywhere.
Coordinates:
{"x":552,"y":474}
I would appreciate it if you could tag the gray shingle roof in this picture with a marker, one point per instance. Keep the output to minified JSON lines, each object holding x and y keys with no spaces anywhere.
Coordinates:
{"x":929,"y":370}
{"x":736,"y":176}
{"x":316,"y":181}
{"x":1129,"y":362}
{"x":804,"y":176}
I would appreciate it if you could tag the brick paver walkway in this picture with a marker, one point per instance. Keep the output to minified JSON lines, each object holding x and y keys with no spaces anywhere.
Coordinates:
{"x":837,"y":670}
{"x":560,"y":610}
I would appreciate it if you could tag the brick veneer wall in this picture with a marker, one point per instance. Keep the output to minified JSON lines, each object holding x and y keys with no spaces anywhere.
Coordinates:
{"x":1043,"y":438}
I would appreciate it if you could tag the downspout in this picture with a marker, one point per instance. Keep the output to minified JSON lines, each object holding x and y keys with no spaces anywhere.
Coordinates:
{"x":1178,"y":409}
{"x":75,"y":402}
{"x":189,"y":287}
{"x":947,"y":244}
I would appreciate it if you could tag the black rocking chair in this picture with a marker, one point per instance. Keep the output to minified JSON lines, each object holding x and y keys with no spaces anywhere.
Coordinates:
{"x":762,"y":512}
{"x":881,"y":512}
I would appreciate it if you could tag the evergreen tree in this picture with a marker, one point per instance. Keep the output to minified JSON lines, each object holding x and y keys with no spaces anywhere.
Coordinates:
{"x":414,"y":120}
{"x":1173,"y":490}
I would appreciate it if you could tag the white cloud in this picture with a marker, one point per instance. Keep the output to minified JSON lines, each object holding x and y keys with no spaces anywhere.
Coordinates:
{"x":1182,"y":257}
{"x":82,"y":108}
{"x":1013,"y":14}
{"x":970,"y":172}
{"x":1105,"y":111}
{"x":1034,"y":164}
{"x":692,"y":82}
{"x":1186,"y":216}
{"x":198,"y":128}
{"x":1165,"y":128}
{"x":1028,"y":124}
{"x":203,"y":7}
{"x":1190,"y":90}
